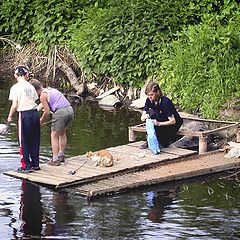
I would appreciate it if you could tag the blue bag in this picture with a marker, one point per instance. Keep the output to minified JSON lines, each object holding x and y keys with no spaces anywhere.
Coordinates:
{"x":152,"y":137}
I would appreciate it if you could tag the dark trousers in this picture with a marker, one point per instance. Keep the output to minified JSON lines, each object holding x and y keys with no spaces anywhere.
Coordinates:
{"x":165,"y":133}
{"x":29,"y":138}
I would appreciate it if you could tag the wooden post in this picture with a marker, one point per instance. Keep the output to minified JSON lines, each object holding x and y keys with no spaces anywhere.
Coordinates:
{"x":131,"y":135}
{"x":238,"y":135}
{"x":202,"y":148}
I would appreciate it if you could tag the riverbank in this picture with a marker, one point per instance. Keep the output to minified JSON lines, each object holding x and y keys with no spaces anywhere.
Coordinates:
{"x":70,"y":80}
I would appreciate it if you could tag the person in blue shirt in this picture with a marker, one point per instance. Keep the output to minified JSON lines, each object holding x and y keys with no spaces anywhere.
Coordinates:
{"x":160,"y":108}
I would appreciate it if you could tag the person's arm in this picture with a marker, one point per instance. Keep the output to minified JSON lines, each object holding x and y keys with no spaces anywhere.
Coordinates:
{"x":144,"y":116}
{"x":168,"y":110}
{"x":12,"y":110}
{"x":39,"y":107}
{"x":171,"y":121}
{"x":45,"y":106}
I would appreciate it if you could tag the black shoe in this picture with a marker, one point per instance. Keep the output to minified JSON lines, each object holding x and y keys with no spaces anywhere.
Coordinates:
{"x":21,"y":170}
{"x":144,"y":146}
{"x":35,"y":168}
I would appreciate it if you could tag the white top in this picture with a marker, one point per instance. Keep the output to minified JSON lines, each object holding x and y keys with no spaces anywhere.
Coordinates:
{"x":25,"y":94}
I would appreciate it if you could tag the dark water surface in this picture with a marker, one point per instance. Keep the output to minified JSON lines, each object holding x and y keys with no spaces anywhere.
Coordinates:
{"x":207,"y":208}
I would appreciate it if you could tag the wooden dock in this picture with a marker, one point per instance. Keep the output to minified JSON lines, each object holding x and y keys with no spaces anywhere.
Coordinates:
{"x":189,"y":167}
{"x":201,"y":135}
{"x":133,"y":167}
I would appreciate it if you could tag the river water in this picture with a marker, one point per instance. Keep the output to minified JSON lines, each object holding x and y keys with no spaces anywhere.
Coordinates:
{"x":203,"y":208}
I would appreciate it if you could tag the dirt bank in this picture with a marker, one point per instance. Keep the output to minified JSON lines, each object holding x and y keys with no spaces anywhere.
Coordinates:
{"x":59,"y":78}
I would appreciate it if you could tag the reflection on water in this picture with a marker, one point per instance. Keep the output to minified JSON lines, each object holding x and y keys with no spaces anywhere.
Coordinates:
{"x":159,"y":202}
{"x":204,"y":209}
{"x":30,"y":210}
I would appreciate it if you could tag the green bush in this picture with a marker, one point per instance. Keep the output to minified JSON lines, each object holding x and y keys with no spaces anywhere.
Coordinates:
{"x":45,"y":22}
{"x":201,"y":68}
{"x":123,"y":40}
{"x":53,"y":18}
{"x":16,"y":19}
{"x":191,"y":47}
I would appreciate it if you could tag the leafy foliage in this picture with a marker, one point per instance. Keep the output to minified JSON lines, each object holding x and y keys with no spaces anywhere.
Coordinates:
{"x":16,"y":18}
{"x":202,"y":68}
{"x":190,"y":47}
{"x":45,"y":22}
{"x":124,"y":39}
{"x":53,"y":20}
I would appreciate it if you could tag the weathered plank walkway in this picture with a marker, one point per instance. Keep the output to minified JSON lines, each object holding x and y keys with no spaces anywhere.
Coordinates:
{"x":127,"y":158}
{"x":191,"y":167}
{"x":132,"y":168}
{"x":201,"y":135}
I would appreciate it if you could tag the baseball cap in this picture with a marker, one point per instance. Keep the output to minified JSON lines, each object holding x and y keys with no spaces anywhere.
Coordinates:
{"x":21,"y":71}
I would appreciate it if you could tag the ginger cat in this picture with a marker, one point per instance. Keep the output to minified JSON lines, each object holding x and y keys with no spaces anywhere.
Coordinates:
{"x":101,"y":158}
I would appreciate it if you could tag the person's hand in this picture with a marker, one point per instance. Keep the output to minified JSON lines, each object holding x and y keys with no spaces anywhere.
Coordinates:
{"x":39,"y":108}
{"x":9,"y":119}
{"x":144,"y":117}
{"x":41,"y":121}
{"x":156,"y":123}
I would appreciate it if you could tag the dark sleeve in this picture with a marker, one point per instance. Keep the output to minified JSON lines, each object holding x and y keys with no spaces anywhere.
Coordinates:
{"x":147,"y":105}
{"x":169,"y":108}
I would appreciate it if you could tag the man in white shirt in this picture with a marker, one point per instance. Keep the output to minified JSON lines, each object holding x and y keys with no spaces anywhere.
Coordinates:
{"x":23,"y":96}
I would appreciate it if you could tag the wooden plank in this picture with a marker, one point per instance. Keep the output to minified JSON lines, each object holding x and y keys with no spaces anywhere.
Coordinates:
{"x":52,"y":175}
{"x":202,"y":135}
{"x":59,"y":175}
{"x":209,"y":120}
{"x":180,"y":132}
{"x":202,"y":165}
{"x":139,"y":175}
{"x":64,"y":169}
{"x":141,"y":128}
{"x":126,"y":160}
{"x":108,"y":92}
{"x":46,"y":177}
{"x":123,"y":159}
{"x":206,"y":133}
{"x":171,"y":150}
{"x":136,"y":144}
{"x":140,"y":155}
{"x":179,"y":151}
{"x":47,"y":181}
{"x":138,"y":129}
